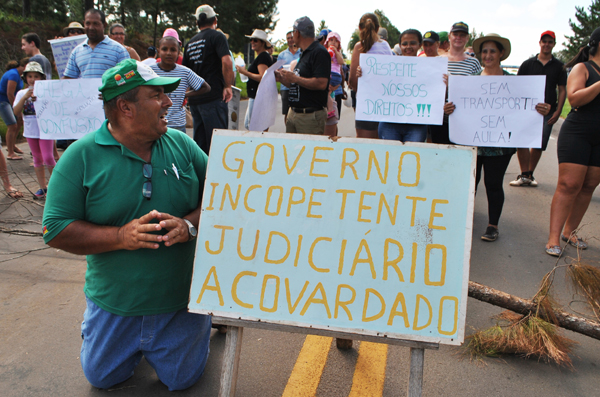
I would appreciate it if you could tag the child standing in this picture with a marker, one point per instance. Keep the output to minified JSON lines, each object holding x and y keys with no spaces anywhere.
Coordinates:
{"x":41,"y":149}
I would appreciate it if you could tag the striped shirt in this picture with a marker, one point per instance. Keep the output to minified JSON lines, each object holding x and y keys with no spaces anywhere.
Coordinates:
{"x":189,"y":79}
{"x":466,"y":67}
{"x":87,"y":63}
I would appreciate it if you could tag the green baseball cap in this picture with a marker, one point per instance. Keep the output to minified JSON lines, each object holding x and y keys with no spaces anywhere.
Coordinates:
{"x":128,"y":74}
{"x":443,"y":36}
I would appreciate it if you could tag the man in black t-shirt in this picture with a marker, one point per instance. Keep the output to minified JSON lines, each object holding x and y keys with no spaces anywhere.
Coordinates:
{"x":547,"y":65}
{"x":308,"y":83}
{"x":207,"y":54}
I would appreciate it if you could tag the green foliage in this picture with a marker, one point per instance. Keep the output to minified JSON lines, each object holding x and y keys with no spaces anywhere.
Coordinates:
{"x":322,"y":26}
{"x":393,"y":32}
{"x":355,"y":38}
{"x":582,"y":29}
{"x":474,"y":36}
{"x":566,"y":109}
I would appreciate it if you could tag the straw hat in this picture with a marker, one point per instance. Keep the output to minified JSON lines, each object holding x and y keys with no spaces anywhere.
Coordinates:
{"x":72,"y":25}
{"x":261,"y":35}
{"x":492,"y":37}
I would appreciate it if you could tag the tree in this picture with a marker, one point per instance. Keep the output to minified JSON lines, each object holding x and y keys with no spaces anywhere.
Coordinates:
{"x":473,"y":36}
{"x":393,"y":32}
{"x":582,"y":29}
{"x":322,"y":26}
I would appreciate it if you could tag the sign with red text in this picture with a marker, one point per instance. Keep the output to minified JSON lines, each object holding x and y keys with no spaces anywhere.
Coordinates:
{"x":496,"y":111}
{"x":401,"y":89}
{"x":354,"y":235}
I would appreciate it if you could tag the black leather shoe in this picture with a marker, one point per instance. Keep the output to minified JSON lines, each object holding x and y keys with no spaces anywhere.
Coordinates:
{"x":491,"y":234}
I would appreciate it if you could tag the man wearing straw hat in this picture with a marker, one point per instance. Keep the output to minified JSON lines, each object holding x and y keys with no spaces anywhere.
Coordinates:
{"x":134,"y":214}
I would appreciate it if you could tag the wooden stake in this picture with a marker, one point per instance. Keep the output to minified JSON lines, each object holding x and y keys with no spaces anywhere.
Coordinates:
{"x":231,"y":361}
{"x":415,"y":377}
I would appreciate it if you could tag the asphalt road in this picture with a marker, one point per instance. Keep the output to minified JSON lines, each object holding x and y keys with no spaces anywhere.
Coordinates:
{"x":42,"y":303}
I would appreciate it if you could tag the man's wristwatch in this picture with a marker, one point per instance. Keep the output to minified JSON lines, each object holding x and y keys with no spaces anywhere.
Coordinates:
{"x":191,"y":230}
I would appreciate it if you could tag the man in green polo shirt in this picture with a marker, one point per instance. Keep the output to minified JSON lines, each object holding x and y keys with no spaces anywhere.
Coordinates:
{"x":128,"y":196}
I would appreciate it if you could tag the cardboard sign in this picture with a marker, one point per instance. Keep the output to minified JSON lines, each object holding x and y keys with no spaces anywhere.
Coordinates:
{"x":401,"y":89}
{"x":68,"y":109}
{"x":61,"y":50}
{"x":265,"y":105}
{"x":360,"y":236}
{"x":496,"y":111}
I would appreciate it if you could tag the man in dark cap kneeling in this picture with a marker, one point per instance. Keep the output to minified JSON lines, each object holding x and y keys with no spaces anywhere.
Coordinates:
{"x":128,"y":196}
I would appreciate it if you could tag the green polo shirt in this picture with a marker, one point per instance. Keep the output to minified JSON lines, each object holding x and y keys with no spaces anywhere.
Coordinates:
{"x":100,"y":181}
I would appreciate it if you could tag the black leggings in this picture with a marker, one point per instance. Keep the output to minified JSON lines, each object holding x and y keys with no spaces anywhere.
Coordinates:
{"x":494,"y":168}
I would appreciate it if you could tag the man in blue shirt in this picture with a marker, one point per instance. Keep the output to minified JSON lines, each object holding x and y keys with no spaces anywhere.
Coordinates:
{"x":292,"y":53}
{"x":98,"y":53}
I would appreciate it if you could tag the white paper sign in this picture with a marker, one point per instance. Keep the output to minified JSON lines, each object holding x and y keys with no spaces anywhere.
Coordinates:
{"x":62,"y":48}
{"x":265,"y":103}
{"x":68,"y":109}
{"x":496,"y":111}
{"x":234,"y":108}
{"x":401,"y":89}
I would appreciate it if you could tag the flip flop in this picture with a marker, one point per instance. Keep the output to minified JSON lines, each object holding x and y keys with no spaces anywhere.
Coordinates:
{"x":14,"y":158}
{"x":14,"y":194}
{"x":18,"y":151}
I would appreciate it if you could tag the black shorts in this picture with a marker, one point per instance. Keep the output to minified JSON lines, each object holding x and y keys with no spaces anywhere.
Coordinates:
{"x":285,"y":104}
{"x":579,"y":143}
{"x":547,"y":131}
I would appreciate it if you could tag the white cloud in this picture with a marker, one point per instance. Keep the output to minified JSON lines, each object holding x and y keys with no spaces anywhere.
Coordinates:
{"x":508,"y":10}
{"x":543,"y":9}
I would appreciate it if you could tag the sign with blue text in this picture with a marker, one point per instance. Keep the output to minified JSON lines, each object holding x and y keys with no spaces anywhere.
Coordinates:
{"x":61,"y":50}
{"x":68,"y":109}
{"x":496,"y":111}
{"x":354,"y":235}
{"x":401,"y":89}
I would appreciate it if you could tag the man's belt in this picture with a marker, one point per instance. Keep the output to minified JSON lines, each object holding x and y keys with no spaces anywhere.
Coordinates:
{"x":306,"y":110}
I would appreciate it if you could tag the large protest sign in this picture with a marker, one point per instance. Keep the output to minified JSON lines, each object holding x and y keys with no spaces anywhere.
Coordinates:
{"x":401,"y":89}
{"x":496,"y":111}
{"x":360,"y":236}
{"x":68,"y":109}
{"x":61,"y":50}
{"x":265,"y":104}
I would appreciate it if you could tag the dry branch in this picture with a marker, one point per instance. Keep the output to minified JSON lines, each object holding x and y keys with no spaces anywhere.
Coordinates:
{"x":525,"y":307}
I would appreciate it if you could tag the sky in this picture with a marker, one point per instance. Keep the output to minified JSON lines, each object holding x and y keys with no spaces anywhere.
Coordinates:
{"x":521,"y":21}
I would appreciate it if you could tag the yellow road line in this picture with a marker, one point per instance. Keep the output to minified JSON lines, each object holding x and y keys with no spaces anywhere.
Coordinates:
{"x":309,"y":366}
{"x":369,"y":373}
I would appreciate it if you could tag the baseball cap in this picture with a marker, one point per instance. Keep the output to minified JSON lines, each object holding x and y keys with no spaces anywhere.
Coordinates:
{"x":33,"y":67}
{"x":443,"y":36}
{"x":305,"y":26}
{"x":383,"y":33}
{"x":548,"y":33}
{"x":460,"y":27}
{"x":431,"y":37}
{"x":206,"y":10}
{"x":129,"y":74}
{"x":323,"y":33}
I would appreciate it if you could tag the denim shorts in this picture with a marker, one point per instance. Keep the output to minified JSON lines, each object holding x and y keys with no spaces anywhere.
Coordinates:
{"x":403,"y":132}
{"x":175,"y":344}
{"x":7,"y":114}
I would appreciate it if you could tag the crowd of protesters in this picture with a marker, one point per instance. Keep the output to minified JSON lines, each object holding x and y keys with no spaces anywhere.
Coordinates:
{"x":149,"y":114}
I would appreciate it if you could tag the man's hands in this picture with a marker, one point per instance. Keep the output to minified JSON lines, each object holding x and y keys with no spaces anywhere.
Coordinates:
{"x":554,"y":118}
{"x":137,"y":233}
{"x":285,"y":77}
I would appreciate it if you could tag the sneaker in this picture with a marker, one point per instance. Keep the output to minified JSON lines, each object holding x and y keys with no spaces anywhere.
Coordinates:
{"x":521,"y":180}
{"x":491,"y":234}
{"x":533,"y":182}
{"x":39,"y":194}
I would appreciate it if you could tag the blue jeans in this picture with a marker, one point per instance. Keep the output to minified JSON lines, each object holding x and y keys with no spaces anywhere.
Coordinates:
{"x":175,"y":344}
{"x":402,"y":132}
{"x":207,"y":117}
{"x":7,"y":114}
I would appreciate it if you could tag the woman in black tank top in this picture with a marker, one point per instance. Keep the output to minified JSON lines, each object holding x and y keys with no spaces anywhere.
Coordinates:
{"x":578,"y":149}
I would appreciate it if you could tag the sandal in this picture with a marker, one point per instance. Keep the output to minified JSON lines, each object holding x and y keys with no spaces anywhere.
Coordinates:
{"x":577,"y":243}
{"x":555,"y":250}
{"x":14,"y":194}
{"x":14,"y":158}
{"x":18,"y":151}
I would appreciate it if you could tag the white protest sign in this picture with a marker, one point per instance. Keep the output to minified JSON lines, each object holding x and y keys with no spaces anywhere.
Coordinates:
{"x":355,"y":235}
{"x":234,"y":108}
{"x":496,"y":111}
{"x":62,"y":48}
{"x":401,"y":89}
{"x":68,"y":109}
{"x":265,"y":103}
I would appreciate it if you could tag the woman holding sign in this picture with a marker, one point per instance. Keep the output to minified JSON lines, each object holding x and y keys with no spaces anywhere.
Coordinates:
{"x":370,"y":43}
{"x":492,"y":49}
{"x":411,"y":41}
{"x":578,"y":149}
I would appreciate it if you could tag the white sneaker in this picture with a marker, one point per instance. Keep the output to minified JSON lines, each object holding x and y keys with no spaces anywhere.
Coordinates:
{"x":521,"y":181}
{"x":533,"y":182}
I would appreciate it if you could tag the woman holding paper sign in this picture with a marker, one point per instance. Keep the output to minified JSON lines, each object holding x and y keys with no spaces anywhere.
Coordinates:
{"x":492,"y":49}
{"x":578,"y":149}
{"x":410,"y":42}
{"x":370,"y":43}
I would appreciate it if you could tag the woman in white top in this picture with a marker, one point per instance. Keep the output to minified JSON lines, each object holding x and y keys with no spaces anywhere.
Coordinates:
{"x":370,"y":43}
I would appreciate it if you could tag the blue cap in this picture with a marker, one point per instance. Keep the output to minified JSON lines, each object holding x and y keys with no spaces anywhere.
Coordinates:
{"x":323,"y":33}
